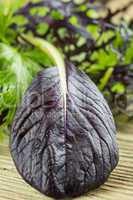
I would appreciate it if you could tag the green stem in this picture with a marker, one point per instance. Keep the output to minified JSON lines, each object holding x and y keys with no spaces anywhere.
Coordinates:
{"x":55,"y":56}
{"x":105,"y":78}
{"x":47,"y":48}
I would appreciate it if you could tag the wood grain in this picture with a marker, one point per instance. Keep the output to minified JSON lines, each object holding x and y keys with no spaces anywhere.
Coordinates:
{"x":119,"y":185}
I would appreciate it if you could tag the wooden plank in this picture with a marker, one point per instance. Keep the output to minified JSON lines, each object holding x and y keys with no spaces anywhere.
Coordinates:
{"x":119,"y":185}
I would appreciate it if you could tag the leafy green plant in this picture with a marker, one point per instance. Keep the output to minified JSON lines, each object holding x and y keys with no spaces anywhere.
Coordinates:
{"x":18,"y":65}
{"x":94,"y":43}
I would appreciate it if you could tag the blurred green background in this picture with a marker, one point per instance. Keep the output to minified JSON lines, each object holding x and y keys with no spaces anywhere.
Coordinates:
{"x":97,"y":36}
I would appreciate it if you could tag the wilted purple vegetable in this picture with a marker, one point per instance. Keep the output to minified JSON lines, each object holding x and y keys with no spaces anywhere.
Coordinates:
{"x":63,"y":138}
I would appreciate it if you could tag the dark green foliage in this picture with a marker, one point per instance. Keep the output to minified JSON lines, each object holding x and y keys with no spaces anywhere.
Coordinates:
{"x":94,"y":43}
{"x":97,"y":45}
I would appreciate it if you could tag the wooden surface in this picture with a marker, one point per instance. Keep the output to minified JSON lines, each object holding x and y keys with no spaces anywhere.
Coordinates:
{"x":118,"y":187}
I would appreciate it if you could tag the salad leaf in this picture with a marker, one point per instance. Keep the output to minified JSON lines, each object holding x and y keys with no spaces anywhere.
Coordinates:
{"x":64,"y":151}
{"x":16,"y":74}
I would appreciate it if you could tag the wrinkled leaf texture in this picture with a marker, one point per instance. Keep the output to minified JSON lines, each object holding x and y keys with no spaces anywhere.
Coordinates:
{"x":64,"y":152}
